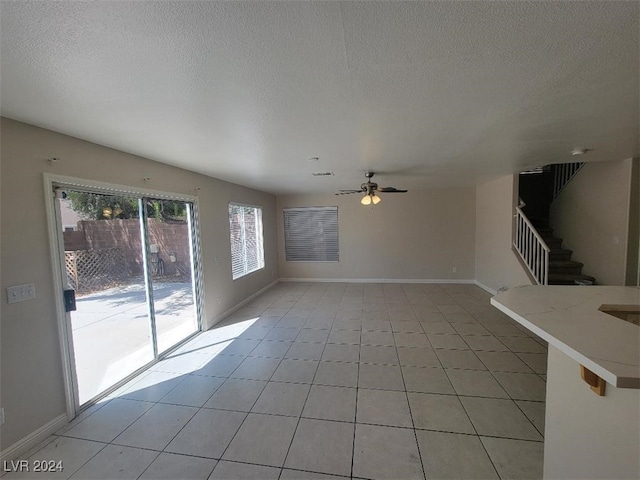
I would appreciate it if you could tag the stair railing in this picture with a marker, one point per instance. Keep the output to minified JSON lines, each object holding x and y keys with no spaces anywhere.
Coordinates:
{"x":562,"y":175}
{"x":532,"y":248}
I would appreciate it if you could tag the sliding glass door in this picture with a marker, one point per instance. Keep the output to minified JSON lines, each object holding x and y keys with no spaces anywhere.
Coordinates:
{"x":130,"y":262}
{"x":170,"y":239}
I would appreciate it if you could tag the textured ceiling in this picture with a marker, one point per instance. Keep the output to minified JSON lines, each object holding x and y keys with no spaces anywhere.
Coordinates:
{"x":427,"y":93}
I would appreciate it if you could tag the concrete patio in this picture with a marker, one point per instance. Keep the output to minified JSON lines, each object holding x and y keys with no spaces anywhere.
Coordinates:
{"x":112,"y":333}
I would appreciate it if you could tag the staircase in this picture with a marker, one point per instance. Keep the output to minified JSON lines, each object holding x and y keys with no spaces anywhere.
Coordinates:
{"x":541,"y":251}
{"x":562,"y":270}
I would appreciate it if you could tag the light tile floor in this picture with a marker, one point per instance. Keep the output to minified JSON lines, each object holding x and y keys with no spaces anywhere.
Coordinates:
{"x":326,"y":380}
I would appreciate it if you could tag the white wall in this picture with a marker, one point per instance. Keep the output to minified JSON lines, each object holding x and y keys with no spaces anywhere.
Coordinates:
{"x":31,"y":374}
{"x":496,"y":263}
{"x":588,"y":436}
{"x":418,"y":235}
{"x":591,"y":215}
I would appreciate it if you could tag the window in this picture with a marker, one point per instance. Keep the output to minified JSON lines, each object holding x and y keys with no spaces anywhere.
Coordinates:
{"x":247,"y":247}
{"x":311,"y":234}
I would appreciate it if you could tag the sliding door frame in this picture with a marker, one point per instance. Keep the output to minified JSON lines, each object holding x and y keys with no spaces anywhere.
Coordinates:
{"x":56,"y":252}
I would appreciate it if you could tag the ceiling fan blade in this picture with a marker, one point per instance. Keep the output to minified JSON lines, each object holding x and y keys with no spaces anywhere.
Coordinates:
{"x":391,"y":190}
{"x":348,"y":192}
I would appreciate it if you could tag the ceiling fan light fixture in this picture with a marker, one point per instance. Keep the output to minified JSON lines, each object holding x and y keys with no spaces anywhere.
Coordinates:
{"x":370,"y":190}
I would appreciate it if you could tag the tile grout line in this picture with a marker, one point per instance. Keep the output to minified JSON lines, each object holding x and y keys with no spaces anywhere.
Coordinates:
{"x":406,"y":396}
{"x":284,"y":461}
{"x":513,"y":401}
{"x":243,"y":420}
{"x":88,"y":460}
{"x":198,"y":411}
{"x":477,"y":435}
{"x":252,"y":405}
{"x":355,"y":413}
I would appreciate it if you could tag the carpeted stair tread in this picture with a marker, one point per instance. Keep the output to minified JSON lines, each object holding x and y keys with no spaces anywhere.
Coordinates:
{"x":568,"y":278}
{"x":553,"y":242}
{"x":565,"y":266}
{"x":560,"y":251}
{"x":545,"y":231}
{"x":539,"y":222}
{"x":560,"y":254}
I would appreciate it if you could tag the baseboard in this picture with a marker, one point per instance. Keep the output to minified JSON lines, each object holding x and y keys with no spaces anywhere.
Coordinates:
{"x":381,"y":280}
{"x":31,"y":440}
{"x":486,"y":288}
{"x":463,"y":281}
{"x":238,"y":306}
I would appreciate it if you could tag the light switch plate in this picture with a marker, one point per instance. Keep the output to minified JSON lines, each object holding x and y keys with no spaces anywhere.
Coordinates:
{"x":20,"y":293}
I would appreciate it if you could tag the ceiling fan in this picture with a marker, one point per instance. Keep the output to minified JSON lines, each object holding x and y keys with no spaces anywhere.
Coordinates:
{"x":370,"y":190}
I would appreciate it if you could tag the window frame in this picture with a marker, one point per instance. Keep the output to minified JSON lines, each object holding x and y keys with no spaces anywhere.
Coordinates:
{"x":259,"y":240}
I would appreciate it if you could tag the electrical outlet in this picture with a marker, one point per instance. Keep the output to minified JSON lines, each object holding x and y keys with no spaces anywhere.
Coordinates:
{"x":20,"y":293}
{"x":1,"y":416}
{"x":455,"y":269}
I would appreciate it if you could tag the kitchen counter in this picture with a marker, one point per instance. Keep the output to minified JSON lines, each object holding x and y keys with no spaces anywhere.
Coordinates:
{"x":568,"y":318}
{"x":592,"y":408}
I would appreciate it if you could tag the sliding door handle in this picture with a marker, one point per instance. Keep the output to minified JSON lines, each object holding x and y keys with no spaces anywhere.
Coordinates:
{"x":69,"y":300}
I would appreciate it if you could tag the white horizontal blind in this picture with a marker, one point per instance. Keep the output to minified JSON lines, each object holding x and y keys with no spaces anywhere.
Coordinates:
{"x":311,"y":234}
{"x":247,"y":246}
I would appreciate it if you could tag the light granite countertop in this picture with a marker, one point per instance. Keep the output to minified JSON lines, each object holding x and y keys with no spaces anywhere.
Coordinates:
{"x":568,"y":318}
